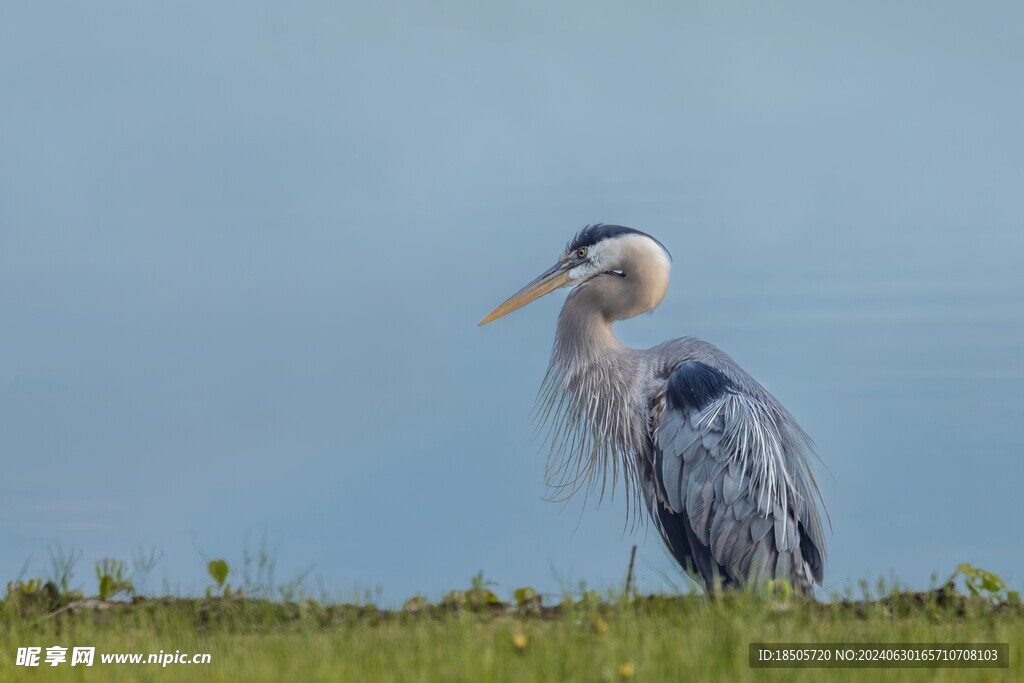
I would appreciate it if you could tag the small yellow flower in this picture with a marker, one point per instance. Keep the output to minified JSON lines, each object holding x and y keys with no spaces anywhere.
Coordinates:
{"x":520,"y":641}
{"x":626,"y":670}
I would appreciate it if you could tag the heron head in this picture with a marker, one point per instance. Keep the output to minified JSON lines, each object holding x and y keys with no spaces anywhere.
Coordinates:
{"x":626,"y":267}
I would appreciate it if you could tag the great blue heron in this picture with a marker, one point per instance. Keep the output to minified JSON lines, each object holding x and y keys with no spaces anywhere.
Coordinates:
{"x":720,"y":464}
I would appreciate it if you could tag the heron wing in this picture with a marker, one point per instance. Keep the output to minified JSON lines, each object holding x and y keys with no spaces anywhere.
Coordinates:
{"x":734,"y":497}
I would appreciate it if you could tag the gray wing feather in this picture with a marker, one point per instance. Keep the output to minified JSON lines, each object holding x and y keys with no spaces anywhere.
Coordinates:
{"x":742,"y":507}
{"x":760,"y":527}
{"x":727,"y":468}
{"x":730,"y":489}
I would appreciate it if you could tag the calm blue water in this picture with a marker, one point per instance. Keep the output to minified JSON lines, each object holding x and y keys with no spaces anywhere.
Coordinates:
{"x":243,"y":252}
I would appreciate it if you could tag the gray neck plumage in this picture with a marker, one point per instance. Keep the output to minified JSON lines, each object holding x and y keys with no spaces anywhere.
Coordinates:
{"x":590,"y":402}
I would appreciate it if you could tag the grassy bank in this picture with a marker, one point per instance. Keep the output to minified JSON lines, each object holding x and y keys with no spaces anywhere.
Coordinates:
{"x":472,"y":636}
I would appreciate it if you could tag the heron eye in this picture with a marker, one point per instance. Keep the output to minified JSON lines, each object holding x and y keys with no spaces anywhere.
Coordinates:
{"x":581,"y":253}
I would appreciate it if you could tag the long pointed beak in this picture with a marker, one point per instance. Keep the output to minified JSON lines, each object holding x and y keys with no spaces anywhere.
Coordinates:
{"x":551,"y":279}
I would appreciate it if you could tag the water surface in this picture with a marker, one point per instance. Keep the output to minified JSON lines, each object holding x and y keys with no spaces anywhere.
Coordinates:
{"x":243,"y":252}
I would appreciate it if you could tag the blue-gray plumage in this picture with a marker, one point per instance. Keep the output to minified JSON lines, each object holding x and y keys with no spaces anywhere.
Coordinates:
{"x":720,"y":465}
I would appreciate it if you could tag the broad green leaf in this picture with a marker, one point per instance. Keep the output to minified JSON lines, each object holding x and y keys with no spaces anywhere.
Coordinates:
{"x":524,"y":595}
{"x":218,"y":570}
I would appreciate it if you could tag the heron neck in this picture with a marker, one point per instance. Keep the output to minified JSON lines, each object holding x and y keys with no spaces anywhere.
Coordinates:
{"x":589,"y":399}
{"x":584,"y":335}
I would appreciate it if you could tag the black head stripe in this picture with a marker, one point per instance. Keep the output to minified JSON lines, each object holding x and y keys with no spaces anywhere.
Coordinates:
{"x":592,"y":234}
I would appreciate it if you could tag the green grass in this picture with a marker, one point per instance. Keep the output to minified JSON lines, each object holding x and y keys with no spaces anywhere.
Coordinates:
{"x":680,"y":638}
